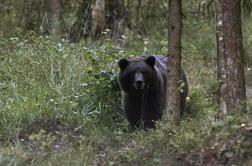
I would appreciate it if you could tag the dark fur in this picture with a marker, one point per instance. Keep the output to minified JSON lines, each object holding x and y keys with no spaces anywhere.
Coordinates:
{"x":148,"y":103}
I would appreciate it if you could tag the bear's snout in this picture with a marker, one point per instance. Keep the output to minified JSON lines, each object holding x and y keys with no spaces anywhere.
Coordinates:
{"x":139,"y":81}
{"x":139,"y":85}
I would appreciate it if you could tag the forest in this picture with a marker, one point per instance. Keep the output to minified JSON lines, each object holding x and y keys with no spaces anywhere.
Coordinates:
{"x":60,"y":98}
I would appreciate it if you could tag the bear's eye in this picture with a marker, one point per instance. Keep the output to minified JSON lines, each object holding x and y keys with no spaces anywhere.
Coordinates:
{"x":131,"y":74}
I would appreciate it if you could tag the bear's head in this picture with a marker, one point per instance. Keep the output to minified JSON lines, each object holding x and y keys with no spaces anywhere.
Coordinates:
{"x":136,"y":74}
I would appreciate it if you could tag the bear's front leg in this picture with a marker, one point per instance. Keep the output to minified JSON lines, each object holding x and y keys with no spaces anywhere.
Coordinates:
{"x":132,"y":111}
{"x":134,"y":119}
{"x":151,"y":113}
{"x":148,"y":120}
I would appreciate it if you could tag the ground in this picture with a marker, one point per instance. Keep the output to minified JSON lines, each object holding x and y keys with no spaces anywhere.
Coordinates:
{"x":60,"y":105}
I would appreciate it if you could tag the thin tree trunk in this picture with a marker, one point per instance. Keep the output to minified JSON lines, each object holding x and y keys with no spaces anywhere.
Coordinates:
{"x":98,"y":18}
{"x":232,"y":93}
{"x":56,"y":6}
{"x":174,"y":58}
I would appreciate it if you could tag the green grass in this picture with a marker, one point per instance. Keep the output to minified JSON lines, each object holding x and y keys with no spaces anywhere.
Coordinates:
{"x":60,"y":105}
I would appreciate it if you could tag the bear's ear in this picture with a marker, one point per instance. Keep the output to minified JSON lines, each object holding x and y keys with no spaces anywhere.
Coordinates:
{"x":150,"y":61}
{"x":123,"y":63}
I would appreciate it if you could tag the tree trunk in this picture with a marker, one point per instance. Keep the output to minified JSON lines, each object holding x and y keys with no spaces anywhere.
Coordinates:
{"x":56,"y":6}
{"x":174,"y":58}
{"x":98,"y":18}
{"x":231,"y":77}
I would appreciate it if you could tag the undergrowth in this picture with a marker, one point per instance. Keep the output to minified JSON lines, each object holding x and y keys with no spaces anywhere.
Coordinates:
{"x":60,"y":104}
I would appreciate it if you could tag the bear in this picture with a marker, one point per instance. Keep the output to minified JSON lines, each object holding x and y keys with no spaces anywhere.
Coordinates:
{"x":142,"y":80}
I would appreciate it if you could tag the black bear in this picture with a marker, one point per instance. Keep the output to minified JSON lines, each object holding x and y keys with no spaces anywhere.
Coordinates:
{"x":142,"y":80}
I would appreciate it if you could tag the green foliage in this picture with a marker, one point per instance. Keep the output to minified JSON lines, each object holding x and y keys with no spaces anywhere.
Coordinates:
{"x":60,"y":104}
{"x":40,"y":79}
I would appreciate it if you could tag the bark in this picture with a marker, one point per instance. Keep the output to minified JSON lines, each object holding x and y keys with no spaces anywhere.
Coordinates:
{"x":98,"y":18}
{"x":174,"y":58}
{"x":231,"y":77}
{"x":56,"y":6}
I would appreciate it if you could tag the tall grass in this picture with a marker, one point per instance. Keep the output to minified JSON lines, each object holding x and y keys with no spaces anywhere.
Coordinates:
{"x":60,"y":105}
